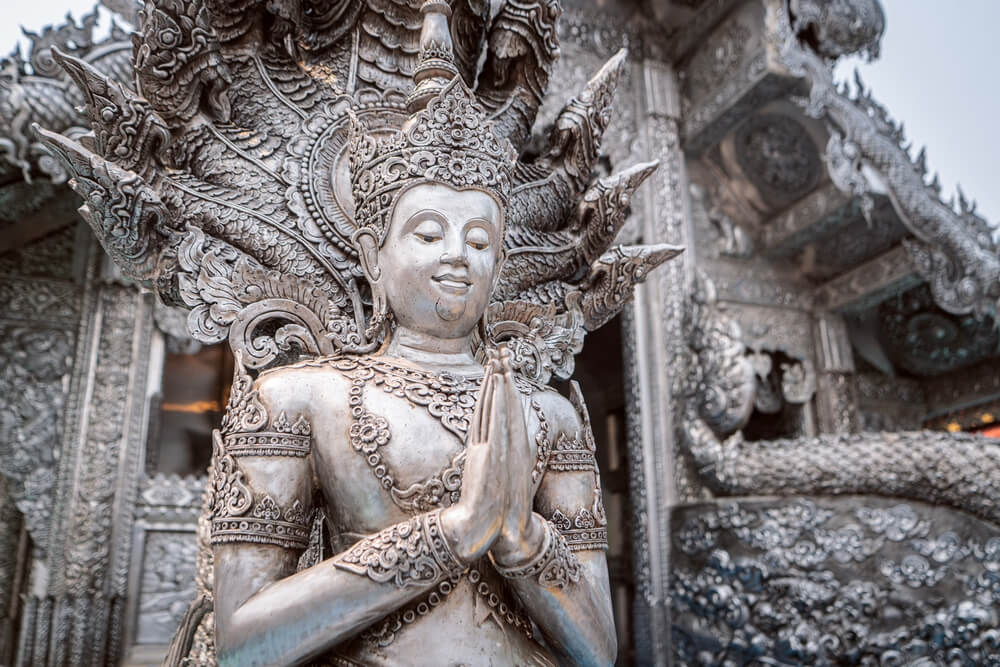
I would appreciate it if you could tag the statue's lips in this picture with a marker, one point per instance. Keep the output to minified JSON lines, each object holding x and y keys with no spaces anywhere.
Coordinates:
{"x":453,"y":283}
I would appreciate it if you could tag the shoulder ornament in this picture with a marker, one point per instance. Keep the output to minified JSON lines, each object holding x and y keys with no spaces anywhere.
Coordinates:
{"x":572,"y":453}
{"x":245,"y":418}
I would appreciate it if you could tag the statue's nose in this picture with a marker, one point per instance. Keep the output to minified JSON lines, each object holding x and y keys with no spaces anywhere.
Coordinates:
{"x":454,"y":258}
{"x":454,"y":252}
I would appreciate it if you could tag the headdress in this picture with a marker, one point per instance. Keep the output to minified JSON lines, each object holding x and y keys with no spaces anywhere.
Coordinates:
{"x":447,"y":139}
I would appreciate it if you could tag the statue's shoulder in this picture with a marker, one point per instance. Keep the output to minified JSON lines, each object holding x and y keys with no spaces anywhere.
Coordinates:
{"x":558,"y":411}
{"x":297,"y":386}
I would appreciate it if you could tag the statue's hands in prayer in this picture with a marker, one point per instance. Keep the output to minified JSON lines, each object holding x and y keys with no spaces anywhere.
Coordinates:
{"x":473,"y":523}
{"x":522,"y":531}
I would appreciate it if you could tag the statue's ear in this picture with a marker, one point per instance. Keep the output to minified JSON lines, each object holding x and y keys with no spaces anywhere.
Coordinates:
{"x":498,"y":269}
{"x":367,"y":245}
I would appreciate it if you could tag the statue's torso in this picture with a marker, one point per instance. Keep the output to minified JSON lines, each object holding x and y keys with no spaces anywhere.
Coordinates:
{"x":412,"y":422}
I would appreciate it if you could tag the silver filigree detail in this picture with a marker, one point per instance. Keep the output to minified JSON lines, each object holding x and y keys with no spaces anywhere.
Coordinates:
{"x":410,"y":553}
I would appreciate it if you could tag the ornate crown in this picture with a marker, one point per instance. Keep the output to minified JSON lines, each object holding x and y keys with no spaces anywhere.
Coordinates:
{"x":451,"y":141}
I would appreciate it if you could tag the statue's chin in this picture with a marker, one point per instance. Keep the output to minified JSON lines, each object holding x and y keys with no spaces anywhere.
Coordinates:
{"x":449,"y":312}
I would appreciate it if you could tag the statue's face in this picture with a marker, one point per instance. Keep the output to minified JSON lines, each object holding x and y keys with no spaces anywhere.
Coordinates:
{"x":440,"y":257}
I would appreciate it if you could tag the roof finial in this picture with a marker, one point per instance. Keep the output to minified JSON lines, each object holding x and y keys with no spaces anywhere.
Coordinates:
{"x":437,"y":60}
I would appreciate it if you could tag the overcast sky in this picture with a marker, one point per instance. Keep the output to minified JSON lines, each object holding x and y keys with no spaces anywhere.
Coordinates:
{"x":939,"y":73}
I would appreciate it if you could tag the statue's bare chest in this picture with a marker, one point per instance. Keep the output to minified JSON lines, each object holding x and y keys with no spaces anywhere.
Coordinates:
{"x":396,"y":446}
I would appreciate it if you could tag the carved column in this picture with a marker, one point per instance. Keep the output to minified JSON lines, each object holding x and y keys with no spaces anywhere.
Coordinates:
{"x":655,"y":360}
{"x":836,"y":395}
{"x":74,"y":615}
{"x":13,"y":551}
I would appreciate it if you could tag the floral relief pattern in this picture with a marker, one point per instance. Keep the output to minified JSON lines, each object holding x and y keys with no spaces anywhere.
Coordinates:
{"x":869,"y":581}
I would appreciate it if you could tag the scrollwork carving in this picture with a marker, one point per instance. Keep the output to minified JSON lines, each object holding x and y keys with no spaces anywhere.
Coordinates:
{"x":815,"y":580}
{"x":35,"y":364}
{"x":409,"y":553}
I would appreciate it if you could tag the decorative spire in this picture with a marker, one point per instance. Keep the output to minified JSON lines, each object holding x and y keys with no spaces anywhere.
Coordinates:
{"x":437,"y":59}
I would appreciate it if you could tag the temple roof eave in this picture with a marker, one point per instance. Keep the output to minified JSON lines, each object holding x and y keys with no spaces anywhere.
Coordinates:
{"x":952,"y":250}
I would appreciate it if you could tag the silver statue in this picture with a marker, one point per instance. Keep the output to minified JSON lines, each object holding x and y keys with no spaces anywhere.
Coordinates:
{"x":440,"y":475}
{"x":398,"y":485}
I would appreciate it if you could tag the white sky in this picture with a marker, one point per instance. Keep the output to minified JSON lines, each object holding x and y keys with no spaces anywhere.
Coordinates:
{"x":939,"y":73}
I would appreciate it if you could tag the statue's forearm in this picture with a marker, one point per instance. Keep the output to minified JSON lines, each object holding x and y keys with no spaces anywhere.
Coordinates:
{"x":307,"y":613}
{"x":576,"y":620}
{"x":568,"y":599}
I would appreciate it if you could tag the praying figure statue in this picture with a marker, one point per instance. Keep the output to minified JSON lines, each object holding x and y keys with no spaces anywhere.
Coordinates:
{"x":451,"y":483}
{"x":393,"y":482}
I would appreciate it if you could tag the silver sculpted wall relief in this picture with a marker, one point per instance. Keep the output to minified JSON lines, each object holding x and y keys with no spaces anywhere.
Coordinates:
{"x":833,"y":581}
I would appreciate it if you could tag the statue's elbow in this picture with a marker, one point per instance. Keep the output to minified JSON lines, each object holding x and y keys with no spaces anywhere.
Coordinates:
{"x":230,"y":641}
{"x":225,"y":647}
{"x":598,"y":651}
{"x":609,"y":650}
{"x":230,"y":652}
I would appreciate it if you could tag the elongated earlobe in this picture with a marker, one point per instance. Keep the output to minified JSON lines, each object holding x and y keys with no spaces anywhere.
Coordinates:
{"x":367,"y":247}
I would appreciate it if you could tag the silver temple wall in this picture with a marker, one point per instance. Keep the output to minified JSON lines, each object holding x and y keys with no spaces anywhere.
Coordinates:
{"x":764,"y":164}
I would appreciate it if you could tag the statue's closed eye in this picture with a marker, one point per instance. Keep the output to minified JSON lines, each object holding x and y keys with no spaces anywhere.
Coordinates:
{"x":477,"y":238}
{"x":428,"y":231}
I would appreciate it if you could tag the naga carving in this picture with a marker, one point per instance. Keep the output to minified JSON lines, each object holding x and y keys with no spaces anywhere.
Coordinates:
{"x":954,"y":250}
{"x":243,"y":215}
{"x":35,"y":89}
{"x":334,"y":188}
{"x":953,"y":469}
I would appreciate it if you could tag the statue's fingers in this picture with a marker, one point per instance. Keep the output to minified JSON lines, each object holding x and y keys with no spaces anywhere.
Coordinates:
{"x":504,"y":361}
{"x":476,"y":427}
{"x":499,"y":429}
{"x":479,"y":428}
{"x":516,"y":424}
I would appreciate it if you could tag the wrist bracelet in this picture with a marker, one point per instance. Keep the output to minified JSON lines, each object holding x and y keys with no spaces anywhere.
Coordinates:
{"x":411,"y":552}
{"x":554,"y":564}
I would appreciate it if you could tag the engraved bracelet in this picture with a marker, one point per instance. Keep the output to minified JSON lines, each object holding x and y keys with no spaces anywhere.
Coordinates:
{"x":554,"y":564}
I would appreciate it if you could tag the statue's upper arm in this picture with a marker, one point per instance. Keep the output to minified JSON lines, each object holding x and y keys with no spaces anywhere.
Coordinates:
{"x":261,"y":489}
{"x":570,"y":492}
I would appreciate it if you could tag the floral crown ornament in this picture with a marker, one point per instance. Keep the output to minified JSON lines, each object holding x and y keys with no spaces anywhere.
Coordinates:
{"x":451,"y":141}
{"x":447,"y":139}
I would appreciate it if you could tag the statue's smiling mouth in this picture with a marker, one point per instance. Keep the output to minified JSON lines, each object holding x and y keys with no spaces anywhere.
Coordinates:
{"x":453,"y":281}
